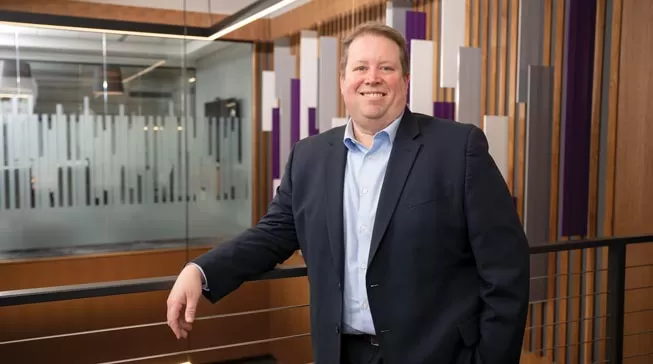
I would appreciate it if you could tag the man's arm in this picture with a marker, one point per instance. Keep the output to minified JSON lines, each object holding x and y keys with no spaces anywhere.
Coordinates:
{"x":256,"y":250}
{"x":501,"y":252}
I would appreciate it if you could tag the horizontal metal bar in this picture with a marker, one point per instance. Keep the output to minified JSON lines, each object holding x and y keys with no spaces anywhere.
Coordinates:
{"x":152,"y":324}
{"x":589,"y":243}
{"x":77,"y":291}
{"x":212,"y":348}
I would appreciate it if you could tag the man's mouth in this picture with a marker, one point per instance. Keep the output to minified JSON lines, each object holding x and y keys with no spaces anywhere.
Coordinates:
{"x":372,"y":94}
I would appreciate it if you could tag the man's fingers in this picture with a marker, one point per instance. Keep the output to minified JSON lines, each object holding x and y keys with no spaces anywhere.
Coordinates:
{"x":191,"y":308}
{"x":185,"y":325}
{"x":173,"y":318}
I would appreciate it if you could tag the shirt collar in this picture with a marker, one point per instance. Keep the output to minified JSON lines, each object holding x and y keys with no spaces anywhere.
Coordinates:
{"x":390,"y":131}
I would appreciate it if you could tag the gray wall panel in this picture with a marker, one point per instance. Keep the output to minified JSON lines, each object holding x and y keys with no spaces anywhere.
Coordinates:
{"x":327,"y":93}
{"x":531,"y":38}
{"x":468,"y":92}
{"x":538,"y":169}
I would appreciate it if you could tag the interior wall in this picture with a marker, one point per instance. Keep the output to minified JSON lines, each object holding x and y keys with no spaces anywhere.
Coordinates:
{"x":633,"y":195}
{"x":225,"y":74}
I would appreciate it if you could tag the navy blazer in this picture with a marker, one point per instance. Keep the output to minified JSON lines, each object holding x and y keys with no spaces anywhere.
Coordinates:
{"x":448,"y":272}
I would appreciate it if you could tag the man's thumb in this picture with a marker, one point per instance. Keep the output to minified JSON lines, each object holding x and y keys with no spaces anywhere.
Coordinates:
{"x":190,"y":312}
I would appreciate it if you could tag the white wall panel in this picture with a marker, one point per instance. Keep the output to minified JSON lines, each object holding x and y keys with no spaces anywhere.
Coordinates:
{"x":308,"y":68}
{"x":453,"y":31}
{"x":496,"y":131}
{"x":421,"y":82}
{"x":268,"y":99}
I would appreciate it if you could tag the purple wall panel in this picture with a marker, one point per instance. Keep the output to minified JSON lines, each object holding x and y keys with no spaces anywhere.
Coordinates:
{"x":444,"y":110}
{"x":577,"y":116}
{"x":415,"y":29}
{"x":312,"y":121}
{"x":276,"y":135}
{"x":294,"y":111}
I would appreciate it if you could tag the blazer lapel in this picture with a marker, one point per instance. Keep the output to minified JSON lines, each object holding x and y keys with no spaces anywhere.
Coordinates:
{"x":334,"y":173}
{"x":401,"y":161}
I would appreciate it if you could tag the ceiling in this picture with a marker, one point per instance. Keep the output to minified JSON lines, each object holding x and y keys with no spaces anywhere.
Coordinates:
{"x":200,"y":6}
{"x":42,"y":44}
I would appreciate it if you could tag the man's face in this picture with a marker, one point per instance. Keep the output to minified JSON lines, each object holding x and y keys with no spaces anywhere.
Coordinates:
{"x":372,"y":85}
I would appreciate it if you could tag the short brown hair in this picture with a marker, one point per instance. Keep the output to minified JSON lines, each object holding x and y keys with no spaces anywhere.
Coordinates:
{"x":379,"y":29}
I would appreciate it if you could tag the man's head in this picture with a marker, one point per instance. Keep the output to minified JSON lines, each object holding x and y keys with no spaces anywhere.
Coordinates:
{"x":374,"y":75}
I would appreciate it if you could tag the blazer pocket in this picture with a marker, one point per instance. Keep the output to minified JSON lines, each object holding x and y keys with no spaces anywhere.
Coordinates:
{"x":430,"y":197}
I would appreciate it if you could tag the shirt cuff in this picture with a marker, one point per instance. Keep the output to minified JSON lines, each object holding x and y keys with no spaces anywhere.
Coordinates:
{"x":205,"y":284}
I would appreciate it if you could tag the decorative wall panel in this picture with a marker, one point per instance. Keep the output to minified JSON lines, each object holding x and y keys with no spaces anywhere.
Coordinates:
{"x":308,"y":76}
{"x":284,"y":70}
{"x":577,"y":117}
{"x":468,"y":87}
{"x":538,"y":154}
{"x":445,"y":110}
{"x":531,"y":34}
{"x":328,"y":77}
{"x":452,"y":28}
{"x":496,"y":131}
{"x":421,"y":86}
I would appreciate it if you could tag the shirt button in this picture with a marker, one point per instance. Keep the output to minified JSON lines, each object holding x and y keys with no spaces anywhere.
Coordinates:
{"x":364,"y":305}
{"x":363,"y":266}
{"x":363,"y":228}
{"x":364,"y":191}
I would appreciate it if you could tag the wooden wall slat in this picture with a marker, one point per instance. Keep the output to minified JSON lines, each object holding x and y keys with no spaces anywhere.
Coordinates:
{"x":503,"y":54}
{"x":561,"y":333}
{"x":512,"y":96}
{"x":590,"y":254}
{"x":484,"y":25}
{"x":492,"y":62}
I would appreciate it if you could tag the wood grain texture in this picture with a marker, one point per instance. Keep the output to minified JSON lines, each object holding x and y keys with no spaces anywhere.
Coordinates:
{"x":258,"y":30}
{"x":36,"y":320}
{"x":633,"y":176}
{"x":316,"y":12}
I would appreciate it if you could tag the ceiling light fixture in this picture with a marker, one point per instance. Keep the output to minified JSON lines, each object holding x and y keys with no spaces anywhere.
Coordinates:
{"x":237,"y":20}
{"x":248,"y":14}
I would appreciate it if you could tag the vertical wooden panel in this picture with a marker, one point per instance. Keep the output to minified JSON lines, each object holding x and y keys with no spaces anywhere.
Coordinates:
{"x":512,"y":96}
{"x":503,"y":54}
{"x":485,"y":14}
{"x":590,"y":254}
{"x":492,"y":65}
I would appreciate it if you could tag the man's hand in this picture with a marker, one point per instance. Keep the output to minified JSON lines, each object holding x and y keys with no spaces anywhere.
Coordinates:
{"x":186,"y":292}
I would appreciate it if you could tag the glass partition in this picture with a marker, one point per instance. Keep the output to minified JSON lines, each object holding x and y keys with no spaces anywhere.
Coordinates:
{"x":115,"y":143}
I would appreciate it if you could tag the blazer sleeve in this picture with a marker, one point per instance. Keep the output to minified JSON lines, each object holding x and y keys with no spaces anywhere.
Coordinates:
{"x":255,"y":251}
{"x":500,"y":249}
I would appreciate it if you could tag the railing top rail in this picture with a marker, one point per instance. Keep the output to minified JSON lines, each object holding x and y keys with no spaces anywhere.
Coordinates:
{"x":589,"y":243}
{"x":62,"y":293}
{"x":76,"y":291}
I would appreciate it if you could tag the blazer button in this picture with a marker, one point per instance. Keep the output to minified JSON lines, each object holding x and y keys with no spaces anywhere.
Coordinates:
{"x":338,"y":329}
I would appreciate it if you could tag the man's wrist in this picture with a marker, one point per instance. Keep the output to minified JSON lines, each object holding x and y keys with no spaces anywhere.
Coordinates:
{"x":205,"y":285}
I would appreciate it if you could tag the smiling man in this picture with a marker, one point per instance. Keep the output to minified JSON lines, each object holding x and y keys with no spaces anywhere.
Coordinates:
{"x":415,"y":253}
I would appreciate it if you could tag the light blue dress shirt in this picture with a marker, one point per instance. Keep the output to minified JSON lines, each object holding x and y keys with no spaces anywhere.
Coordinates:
{"x":364,"y":174}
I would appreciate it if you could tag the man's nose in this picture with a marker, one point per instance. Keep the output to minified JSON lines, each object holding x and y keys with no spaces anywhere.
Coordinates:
{"x":372,"y":77}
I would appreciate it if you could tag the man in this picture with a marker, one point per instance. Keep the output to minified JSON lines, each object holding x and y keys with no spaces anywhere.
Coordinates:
{"x":414,"y":251}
